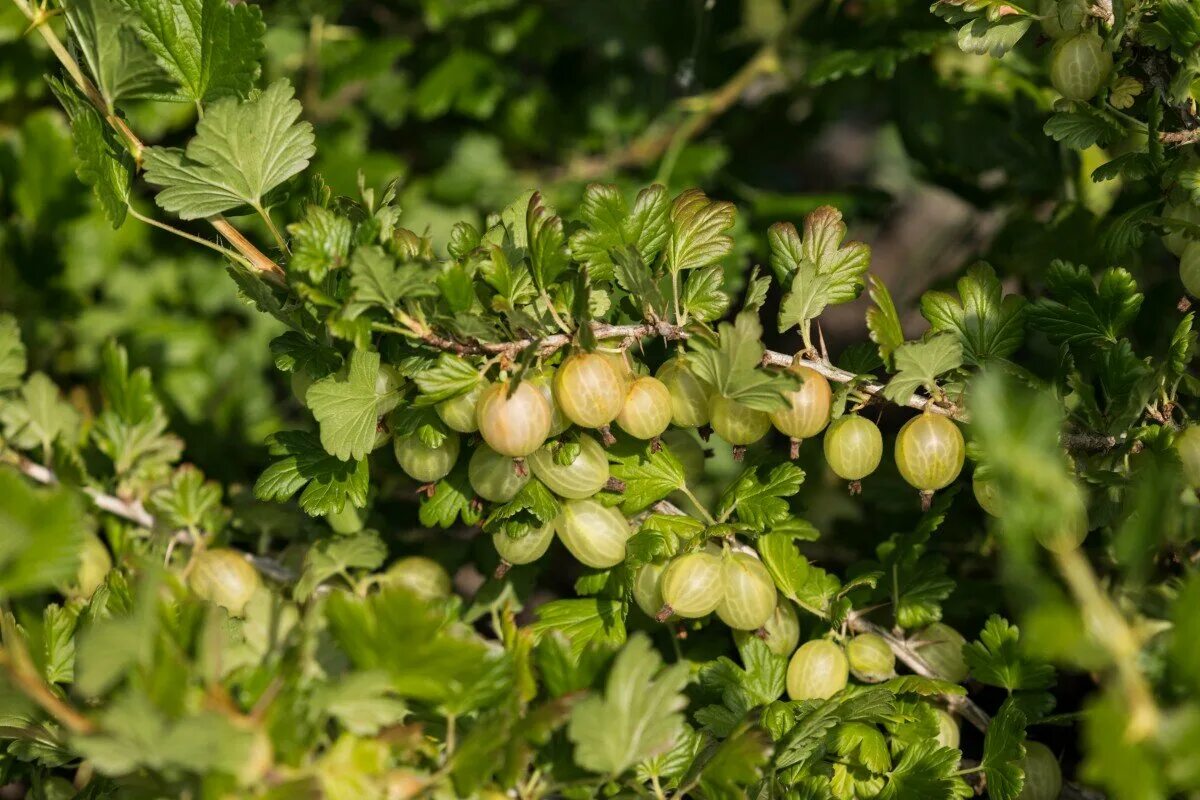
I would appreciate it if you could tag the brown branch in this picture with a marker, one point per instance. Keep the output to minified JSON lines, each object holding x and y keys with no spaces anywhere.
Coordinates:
{"x":131,"y":510}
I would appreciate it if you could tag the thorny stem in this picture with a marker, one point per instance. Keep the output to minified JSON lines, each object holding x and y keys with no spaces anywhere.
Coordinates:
{"x":133,"y":212}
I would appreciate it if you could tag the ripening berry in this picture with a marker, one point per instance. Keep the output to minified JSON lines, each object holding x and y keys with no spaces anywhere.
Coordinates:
{"x":986,"y":492}
{"x":735,"y":423}
{"x":513,"y":426}
{"x":818,"y":670}
{"x":782,"y":630}
{"x":689,"y":394}
{"x":582,"y":478}
{"x":647,"y":588}
{"x":224,"y":577}
{"x":493,"y":476}
{"x":526,"y":549}
{"x":459,"y":412}
{"x":589,"y":390}
{"x":948,"y":733}
{"x":595,"y":534}
{"x":1189,"y":268}
{"x":422,"y":576}
{"x":1176,"y":241}
{"x":1187,"y":445}
{"x":620,"y":364}
{"x":853,"y":447}
{"x":692,"y":584}
{"x":748,"y":592}
{"x":1079,"y":66}
{"x":871,"y":658}
{"x":423,"y":463}
{"x":348,"y":520}
{"x":929,"y":452}
{"x":1072,"y":530}
{"x":1043,"y":775}
{"x":807,"y":412}
{"x":646,"y":412}
{"x":940,"y":646}
{"x":94,"y":566}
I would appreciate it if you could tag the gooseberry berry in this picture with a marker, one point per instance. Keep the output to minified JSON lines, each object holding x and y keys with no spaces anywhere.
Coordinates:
{"x":737,"y":424}
{"x":595,"y":534}
{"x":929,"y":452}
{"x":423,"y":463}
{"x":589,"y":390}
{"x":646,"y":412}
{"x":948,"y":734}
{"x":1187,"y":445}
{"x":1043,"y":775}
{"x":782,"y":630}
{"x":495,"y":477}
{"x":986,"y":492}
{"x":1189,"y":268}
{"x":1072,"y":529}
{"x":871,"y":658}
{"x":689,"y":394}
{"x":1079,"y":66}
{"x":459,"y":412}
{"x":526,"y":549}
{"x":941,"y":647}
{"x":748,"y":592}
{"x":818,"y":670}
{"x":647,"y":590}
{"x":346,"y":521}
{"x":853,"y":448}
{"x":692,"y":585}
{"x":1176,"y":240}
{"x":582,"y":478}
{"x":513,"y":426}
{"x":94,"y":565}
{"x":224,"y":577}
{"x":422,"y":576}
{"x":807,"y":412}
{"x":544,"y":382}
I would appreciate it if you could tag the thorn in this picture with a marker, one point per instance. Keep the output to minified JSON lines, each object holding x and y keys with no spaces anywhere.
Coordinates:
{"x":821,"y":339}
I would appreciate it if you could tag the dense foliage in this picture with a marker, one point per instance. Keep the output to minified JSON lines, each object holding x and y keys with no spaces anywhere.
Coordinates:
{"x":394,"y":417}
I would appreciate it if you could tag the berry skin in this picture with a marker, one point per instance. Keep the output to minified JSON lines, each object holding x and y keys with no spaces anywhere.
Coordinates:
{"x":1187,"y":445}
{"x":459,"y":412}
{"x":782,"y":629}
{"x":987,"y":494}
{"x":1189,"y":268}
{"x":1074,"y":528}
{"x":513,"y":426}
{"x":647,"y":588}
{"x":693,"y":584}
{"x":595,"y":535}
{"x":735,"y":423}
{"x":423,"y":463}
{"x":853,"y":447}
{"x":422,"y":576}
{"x":1079,"y":66}
{"x":494,"y":477}
{"x":689,"y":394}
{"x":1043,"y":775}
{"x":646,"y":412}
{"x":589,"y":390}
{"x":818,"y":670}
{"x":808,"y":412}
{"x":544,"y":381}
{"x":929,"y":452}
{"x":871,"y":659}
{"x":748,"y":593}
{"x":224,"y":577}
{"x":940,"y":646}
{"x":527,"y":549}
{"x":580,"y":479}
{"x":1177,"y":241}
{"x":948,"y":734}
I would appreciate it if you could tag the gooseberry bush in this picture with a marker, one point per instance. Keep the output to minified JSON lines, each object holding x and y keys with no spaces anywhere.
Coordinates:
{"x":666,"y":543}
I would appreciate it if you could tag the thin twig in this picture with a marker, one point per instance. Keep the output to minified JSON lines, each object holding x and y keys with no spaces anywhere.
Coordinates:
{"x":131,"y":510}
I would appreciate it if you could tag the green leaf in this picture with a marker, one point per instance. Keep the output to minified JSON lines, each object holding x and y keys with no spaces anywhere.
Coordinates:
{"x":450,"y":377}
{"x":761,"y":681}
{"x":377,"y":280}
{"x":347,"y":409}
{"x":451,"y":499}
{"x":39,"y":416}
{"x":883,"y":321}
{"x":612,"y":225}
{"x":634,"y":277}
{"x":925,"y":772}
{"x":733,"y":365}
{"x":295,"y":352}
{"x":320,"y":242}
{"x":121,"y":66}
{"x":993,"y":37}
{"x":211,"y":48}
{"x":920,"y":363}
{"x":337,"y":555}
{"x":734,"y":764}
{"x":1003,"y":752}
{"x":103,"y":162}
{"x":584,"y":621}
{"x":639,"y":714}
{"x":546,"y":243}
{"x":532,"y":507}
{"x":703,"y":298}
{"x":760,"y":504}
{"x":649,"y":476}
{"x":697,"y":238}
{"x":328,"y":482}
{"x":987,"y":324}
{"x":188,"y":501}
{"x":241,"y":151}
{"x":43,"y":536}
{"x":805,"y":301}
{"x":1078,"y":311}
{"x":810,"y":587}
{"x":12,"y":353}
{"x":840,"y":266}
{"x":996,"y":659}
{"x":1081,"y":128}
{"x":806,"y":739}
{"x":362,"y":702}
